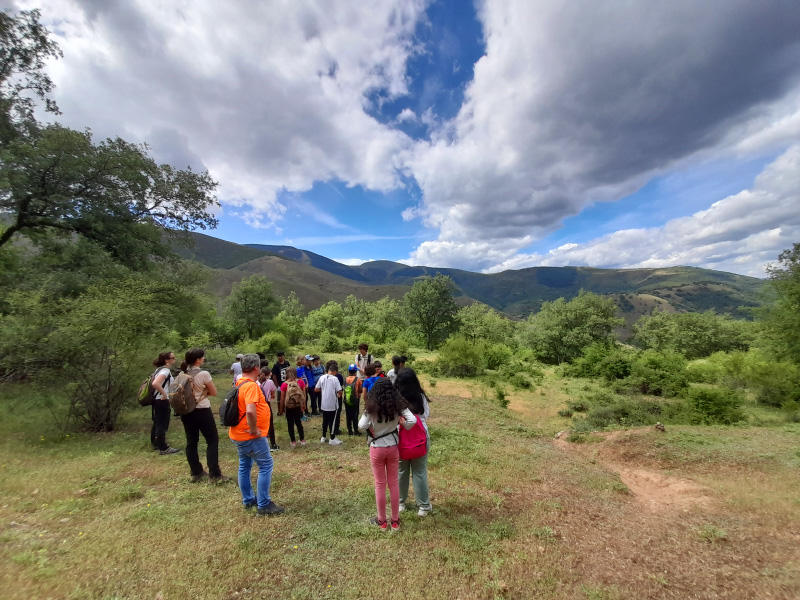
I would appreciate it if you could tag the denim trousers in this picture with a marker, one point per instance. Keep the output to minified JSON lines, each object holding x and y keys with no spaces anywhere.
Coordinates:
{"x":418,"y":469}
{"x":255,"y":450}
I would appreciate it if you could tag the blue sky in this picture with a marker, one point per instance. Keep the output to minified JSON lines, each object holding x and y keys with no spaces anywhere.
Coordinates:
{"x":487,"y":136}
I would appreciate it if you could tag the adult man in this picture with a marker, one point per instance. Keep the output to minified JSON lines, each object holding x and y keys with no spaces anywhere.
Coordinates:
{"x":363,"y":359}
{"x":249,"y":436}
{"x":236,"y":369}
{"x":279,"y":374}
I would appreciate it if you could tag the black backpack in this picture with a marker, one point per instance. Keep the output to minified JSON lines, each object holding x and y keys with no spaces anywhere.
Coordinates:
{"x":229,"y":413}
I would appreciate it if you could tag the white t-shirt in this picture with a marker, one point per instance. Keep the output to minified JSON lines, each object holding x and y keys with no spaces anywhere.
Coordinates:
{"x":237,"y":371}
{"x":164,"y":384}
{"x":330,"y":386}
{"x":199,"y":388}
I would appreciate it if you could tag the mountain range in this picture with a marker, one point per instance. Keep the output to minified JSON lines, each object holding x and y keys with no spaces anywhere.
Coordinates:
{"x":317,"y":279}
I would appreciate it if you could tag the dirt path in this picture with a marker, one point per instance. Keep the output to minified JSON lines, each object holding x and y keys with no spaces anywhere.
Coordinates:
{"x":654,"y":490}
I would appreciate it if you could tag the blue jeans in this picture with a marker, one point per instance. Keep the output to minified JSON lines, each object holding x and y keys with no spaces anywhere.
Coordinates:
{"x":256,"y":449}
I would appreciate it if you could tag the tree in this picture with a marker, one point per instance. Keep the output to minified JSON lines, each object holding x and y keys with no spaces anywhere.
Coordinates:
{"x":430,"y":307}
{"x":251,"y":305}
{"x":290,"y":319}
{"x":561,"y":330}
{"x":57,"y":179}
{"x":481,"y":322}
{"x":781,"y":318}
{"x":326,"y":319}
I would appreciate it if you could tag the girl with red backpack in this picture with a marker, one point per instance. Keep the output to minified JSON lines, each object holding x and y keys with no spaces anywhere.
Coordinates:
{"x":384,"y":410}
{"x":415,"y":463}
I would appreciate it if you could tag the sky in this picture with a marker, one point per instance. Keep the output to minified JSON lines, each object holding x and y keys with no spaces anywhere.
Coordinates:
{"x":493,"y":135}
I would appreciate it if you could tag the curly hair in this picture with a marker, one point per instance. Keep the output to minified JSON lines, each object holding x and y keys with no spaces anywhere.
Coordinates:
{"x":383,"y":402}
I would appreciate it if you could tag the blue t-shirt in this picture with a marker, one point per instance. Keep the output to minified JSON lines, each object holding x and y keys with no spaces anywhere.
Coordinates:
{"x":368,"y":383}
{"x":301,"y":374}
{"x":308,"y":372}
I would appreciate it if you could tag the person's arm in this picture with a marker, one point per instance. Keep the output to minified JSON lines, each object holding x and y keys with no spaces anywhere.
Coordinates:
{"x":427,"y":412}
{"x":363,"y":422}
{"x":211,"y":388}
{"x":407,"y":419}
{"x":158,"y":383}
{"x":338,"y":389}
{"x":282,"y":403}
{"x":251,"y":415}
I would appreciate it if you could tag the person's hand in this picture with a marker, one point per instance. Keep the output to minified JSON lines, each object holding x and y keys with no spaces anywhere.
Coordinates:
{"x":402,"y":420}
{"x":256,"y":432}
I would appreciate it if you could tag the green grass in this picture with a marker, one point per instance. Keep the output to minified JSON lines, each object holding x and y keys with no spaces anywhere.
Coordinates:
{"x":100,"y":516}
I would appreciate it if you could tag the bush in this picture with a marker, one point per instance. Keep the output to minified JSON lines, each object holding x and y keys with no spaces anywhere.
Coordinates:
{"x":658,"y":374}
{"x":705,"y":371}
{"x":602,"y":360}
{"x":460,"y":357}
{"x":498,"y":355}
{"x":565,"y":412}
{"x":625,"y":412}
{"x":328,"y":342}
{"x":715,"y":406}
{"x":270,"y":344}
{"x":502,"y":398}
{"x":519,"y":380}
{"x":577,"y":406}
{"x":401,"y":348}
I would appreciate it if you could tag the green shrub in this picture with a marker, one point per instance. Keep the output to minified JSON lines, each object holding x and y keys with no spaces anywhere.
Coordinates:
{"x":460,"y":357}
{"x":401,"y":348}
{"x":658,"y":373}
{"x":519,"y":380}
{"x":565,"y":412}
{"x":498,"y":355}
{"x":577,"y":406}
{"x":705,"y":371}
{"x":609,"y":361}
{"x":502,"y":398}
{"x":270,"y":343}
{"x":328,"y":342}
{"x":626,"y":412}
{"x":714,"y":406}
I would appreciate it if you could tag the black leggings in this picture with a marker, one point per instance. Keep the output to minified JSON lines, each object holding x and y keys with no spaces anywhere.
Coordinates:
{"x":201,"y":420}
{"x":272,"y":426}
{"x":158,"y":433}
{"x":351,"y":413}
{"x":329,"y":422}
{"x":294,"y":417}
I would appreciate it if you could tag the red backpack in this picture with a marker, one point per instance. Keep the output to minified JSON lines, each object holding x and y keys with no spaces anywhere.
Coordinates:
{"x":413,"y":442}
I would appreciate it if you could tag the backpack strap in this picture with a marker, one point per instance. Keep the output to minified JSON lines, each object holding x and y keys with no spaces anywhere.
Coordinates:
{"x":374,"y":437}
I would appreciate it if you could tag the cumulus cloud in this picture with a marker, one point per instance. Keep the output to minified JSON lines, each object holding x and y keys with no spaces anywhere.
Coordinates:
{"x":740,"y":233}
{"x":580,"y":102}
{"x":272,"y":100}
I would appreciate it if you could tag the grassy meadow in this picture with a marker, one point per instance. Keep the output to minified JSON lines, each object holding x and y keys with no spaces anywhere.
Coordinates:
{"x":695,"y":512}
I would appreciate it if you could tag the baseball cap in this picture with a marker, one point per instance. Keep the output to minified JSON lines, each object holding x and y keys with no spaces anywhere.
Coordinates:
{"x":240,"y":356}
{"x":352,"y":367}
{"x":309,"y":357}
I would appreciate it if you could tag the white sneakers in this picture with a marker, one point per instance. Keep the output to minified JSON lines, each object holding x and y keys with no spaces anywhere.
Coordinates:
{"x":402,"y":507}
{"x":423,"y":512}
{"x":335,"y":442}
{"x":323,"y":440}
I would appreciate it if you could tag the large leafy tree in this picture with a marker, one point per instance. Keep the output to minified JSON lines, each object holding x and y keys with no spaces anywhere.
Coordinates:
{"x":562,"y":329}
{"x":480,"y":322}
{"x":251,"y":305}
{"x":55,"y":179}
{"x":782,"y":317}
{"x":431,"y":308}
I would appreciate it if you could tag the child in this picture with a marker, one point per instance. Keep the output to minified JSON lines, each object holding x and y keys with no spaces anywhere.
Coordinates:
{"x":384,"y":409}
{"x":312,"y":377}
{"x":352,"y":399}
{"x":300,"y":362}
{"x":408,"y":386}
{"x":398,"y":362}
{"x":371,"y":378}
{"x":268,"y":387}
{"x":292,"y":400}
{"x":379,"y":369}
{"x":330,"y":389}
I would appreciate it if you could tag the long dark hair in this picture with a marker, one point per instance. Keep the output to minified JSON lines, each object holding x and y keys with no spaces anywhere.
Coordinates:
{"x":407,"y":383}
{"x":162,"y":359}
{"x":383,"y":402}
{"x":192,"y":356}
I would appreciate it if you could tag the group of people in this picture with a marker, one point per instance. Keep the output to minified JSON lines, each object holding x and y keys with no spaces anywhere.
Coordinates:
{"x":392,"y":401}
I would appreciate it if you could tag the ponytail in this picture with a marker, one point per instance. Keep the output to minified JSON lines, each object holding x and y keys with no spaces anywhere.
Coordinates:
{"x":191,"y":357}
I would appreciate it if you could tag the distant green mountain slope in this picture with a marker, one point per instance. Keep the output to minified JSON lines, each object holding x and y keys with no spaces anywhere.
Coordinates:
{"x":317,"y":279}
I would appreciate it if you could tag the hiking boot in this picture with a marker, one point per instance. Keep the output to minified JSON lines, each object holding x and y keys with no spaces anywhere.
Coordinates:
{"x":323,"y":440}
{"x":220,"y":479}
{"x":382,"y":524}
{"x":270,"y":509}
{"x":198,"y":478}
{"x":402,"y":507}
{"x":169,"y":450}
{"x":335,"y":442}
{"x":424,"y":512}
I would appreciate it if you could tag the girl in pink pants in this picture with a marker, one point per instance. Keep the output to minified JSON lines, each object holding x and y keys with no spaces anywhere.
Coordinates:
{"x":384,"y":410}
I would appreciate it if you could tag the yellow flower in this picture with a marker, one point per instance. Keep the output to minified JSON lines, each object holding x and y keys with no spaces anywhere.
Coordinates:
{"x":295,"y":547}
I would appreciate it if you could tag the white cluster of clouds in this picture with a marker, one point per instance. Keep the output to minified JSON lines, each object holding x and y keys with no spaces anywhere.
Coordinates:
{"x":572,"y":103}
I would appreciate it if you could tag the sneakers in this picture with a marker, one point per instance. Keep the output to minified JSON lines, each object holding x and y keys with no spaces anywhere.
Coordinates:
{"x":304,"y":418}
{"x":323,"y":440}
{"x":275,"y":447}
{"x":294,"y":444}
{"x":402,"y":507}
{"x":169,"y":450}
{"x":423,"y":512}
{"x":395,"y":525}
{"x":198,"y":478}
{"x":382,"y":524}
{"x":220,"y":479}
{"x":269,"y":509}
{"x":335,"y":442}
{"x":302,"y":442}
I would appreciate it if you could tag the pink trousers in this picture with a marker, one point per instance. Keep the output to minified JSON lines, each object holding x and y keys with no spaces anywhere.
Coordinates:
{"x":385,"y":463}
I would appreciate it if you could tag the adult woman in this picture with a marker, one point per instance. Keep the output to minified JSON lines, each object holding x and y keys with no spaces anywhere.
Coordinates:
{"x":201,"y":420}
{"x":407,"y":384}
{"x":161,"y":410}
